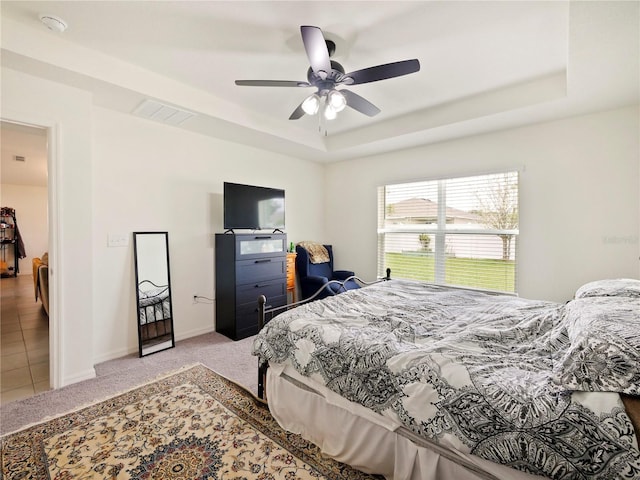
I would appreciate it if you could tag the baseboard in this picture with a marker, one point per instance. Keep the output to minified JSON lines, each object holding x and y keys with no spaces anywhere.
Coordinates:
{"x":79,"y":377}
{"x":105,"y":357}
{"x":194,"y":333}
{"x":123,"y":352}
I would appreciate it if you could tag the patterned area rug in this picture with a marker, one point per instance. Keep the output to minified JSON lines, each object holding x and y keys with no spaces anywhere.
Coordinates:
{"x":193,"y":424}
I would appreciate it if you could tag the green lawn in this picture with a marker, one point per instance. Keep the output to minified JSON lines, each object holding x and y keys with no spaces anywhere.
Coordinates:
{"x":481,"y":273}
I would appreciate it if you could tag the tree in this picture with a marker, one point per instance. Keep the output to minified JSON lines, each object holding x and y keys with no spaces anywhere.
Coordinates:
{"x":499,"y":208}
{"x":425,"y":241}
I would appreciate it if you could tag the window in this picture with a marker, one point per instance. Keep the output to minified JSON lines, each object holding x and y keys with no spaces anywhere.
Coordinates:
{"x":457,"y":231}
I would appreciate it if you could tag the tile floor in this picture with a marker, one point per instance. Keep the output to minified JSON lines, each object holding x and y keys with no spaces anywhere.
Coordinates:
{"x":24,"y":341}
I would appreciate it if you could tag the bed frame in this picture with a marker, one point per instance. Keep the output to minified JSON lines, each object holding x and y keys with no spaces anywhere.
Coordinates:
{"x":159,"y":323}
{"x":265,"y":310}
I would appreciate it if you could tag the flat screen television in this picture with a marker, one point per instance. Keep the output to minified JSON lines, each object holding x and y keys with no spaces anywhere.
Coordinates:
{"x":252,"y":207}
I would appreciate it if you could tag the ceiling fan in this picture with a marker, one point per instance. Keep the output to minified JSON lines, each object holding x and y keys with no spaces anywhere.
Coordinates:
{"x":326,"y":74}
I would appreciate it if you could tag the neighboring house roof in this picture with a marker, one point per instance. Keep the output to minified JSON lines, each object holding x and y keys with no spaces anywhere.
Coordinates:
{"x":424,"y":210}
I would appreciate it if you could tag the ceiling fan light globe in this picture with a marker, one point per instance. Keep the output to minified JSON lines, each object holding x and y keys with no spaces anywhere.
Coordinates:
{"x":329,"y":112}
{"x":336,"y":100}
{"x":311,"y":104}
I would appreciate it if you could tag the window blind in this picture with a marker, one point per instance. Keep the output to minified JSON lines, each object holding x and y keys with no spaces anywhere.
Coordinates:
{"x":455,"y":231}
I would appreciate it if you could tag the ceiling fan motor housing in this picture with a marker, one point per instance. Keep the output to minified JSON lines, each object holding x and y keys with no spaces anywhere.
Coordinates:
{"x":334,"y":76}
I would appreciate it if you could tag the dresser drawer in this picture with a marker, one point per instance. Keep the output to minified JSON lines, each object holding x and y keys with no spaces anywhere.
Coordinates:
{"x":246,"y":325}
{"x":291,"y":270}
{"x":250,"y":292}
{"x":260,"y":246}
{"x":250,"y":271}
{"x":250,"y":310}
{"x":276,"y":301}
{"x":247,"y":315}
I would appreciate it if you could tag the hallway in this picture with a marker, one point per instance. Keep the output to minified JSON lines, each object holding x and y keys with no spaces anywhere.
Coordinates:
{"x":24,"y":341}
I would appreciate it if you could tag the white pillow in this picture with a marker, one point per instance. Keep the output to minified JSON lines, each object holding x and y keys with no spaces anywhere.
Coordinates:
{"x":620,"y":287}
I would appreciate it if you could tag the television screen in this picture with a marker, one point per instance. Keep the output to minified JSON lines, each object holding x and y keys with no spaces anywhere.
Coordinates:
{"x":252,"y":207}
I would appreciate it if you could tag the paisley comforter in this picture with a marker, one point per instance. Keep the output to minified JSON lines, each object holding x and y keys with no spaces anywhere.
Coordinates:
{"x":528,"y":384}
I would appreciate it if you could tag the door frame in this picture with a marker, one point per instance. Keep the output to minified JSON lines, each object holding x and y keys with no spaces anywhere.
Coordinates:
{"x":55,"y":251}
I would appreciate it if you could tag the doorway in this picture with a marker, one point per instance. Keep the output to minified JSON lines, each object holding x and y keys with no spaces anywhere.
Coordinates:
{"x":25,"y":327}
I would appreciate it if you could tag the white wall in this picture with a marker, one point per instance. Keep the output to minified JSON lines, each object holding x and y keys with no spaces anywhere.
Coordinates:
{"x":118,"y":174}
{"x":579,"y":197}
{"x":67,"y":111}
{"x":152,"y":177}
{"x":30,"y":203}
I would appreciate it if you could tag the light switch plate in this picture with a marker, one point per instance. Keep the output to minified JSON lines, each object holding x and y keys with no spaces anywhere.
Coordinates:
{"x":118,"y":240}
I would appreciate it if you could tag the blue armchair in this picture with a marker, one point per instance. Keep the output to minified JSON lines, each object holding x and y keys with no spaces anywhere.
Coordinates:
{"x":313,"y":275}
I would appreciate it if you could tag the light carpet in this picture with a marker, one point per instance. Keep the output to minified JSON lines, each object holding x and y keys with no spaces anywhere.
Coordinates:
{"x":230,"y":359}
{"x":192,"y":424}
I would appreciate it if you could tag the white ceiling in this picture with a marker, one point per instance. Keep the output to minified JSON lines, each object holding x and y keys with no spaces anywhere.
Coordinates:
{"x":485,"y":65}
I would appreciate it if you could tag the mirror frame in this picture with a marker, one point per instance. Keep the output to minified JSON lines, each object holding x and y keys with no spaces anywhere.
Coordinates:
{"x":169,"y":342}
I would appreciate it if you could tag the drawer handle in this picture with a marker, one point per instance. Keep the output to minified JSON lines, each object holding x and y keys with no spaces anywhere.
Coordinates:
{"x":260,"y":286}
{"x":263,"y":238}
{"x":266,"y":260}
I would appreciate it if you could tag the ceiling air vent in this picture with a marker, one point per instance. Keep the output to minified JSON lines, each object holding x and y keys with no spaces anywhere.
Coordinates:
{"x":160,"y":112}
{"x":20,"y":158}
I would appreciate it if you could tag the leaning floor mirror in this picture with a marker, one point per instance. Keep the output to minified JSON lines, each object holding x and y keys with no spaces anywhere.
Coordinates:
{"x":153,"y":292}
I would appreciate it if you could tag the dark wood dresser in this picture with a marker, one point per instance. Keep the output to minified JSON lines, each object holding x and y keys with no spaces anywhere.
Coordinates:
{"x":247,"y":266}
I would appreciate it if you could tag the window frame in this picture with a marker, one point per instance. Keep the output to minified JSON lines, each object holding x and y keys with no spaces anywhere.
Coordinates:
{"x":441,"y":229}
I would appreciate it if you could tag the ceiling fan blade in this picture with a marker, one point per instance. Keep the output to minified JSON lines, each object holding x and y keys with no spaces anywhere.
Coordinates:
{"x":360,"y":104}
{"x":316,"y":49}
{"x":272,"y":83}
{"x":297,"y":113}
{"x":382,"y":72}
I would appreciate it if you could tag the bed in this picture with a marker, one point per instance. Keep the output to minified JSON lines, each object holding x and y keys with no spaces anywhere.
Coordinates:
{"x":416,"y":381}
{"x":154,"y":310}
